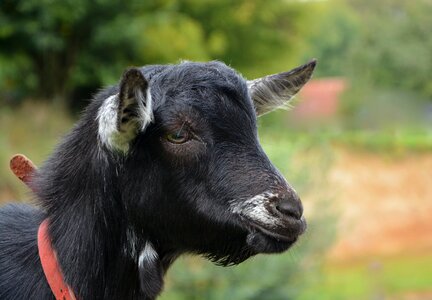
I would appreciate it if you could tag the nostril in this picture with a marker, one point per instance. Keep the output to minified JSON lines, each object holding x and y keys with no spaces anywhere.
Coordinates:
{"x":290,"y":208}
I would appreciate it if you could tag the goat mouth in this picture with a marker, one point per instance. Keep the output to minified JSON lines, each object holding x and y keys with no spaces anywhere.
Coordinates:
{"x":286,"y":234}
{"x":277,"y":236}
{"x":264,"y":240}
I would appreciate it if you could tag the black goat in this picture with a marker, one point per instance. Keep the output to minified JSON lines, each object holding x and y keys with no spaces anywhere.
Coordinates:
{"x":165,"y":163}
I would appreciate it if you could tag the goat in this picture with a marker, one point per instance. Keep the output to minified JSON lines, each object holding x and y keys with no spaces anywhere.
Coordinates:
{"x":166,"y":162}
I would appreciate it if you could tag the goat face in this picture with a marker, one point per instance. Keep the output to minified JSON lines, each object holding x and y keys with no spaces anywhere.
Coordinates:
{"x":195,"y":178}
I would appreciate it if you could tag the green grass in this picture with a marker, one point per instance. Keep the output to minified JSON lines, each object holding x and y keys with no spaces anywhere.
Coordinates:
{"x":397,"y":141}
{"x":33,"y":130}
{"x":407,"y":137}
{"x":370,"y":278}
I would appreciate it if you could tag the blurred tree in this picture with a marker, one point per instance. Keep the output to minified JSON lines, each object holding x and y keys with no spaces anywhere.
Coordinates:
{"x":50,"y":49}
{"x":395,"y":44}
{"x":49,"y":36}
{"x":384,"y":49}
{"x":376,"y":43}
{"x":335,"y":30}
{"x":257,"y":37}
{"x":59,"y":46}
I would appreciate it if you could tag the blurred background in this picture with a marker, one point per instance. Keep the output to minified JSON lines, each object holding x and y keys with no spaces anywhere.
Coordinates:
{"x":357,"y":144}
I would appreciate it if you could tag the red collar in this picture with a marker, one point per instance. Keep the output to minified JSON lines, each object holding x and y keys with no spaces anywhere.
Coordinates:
{"x":51,"y":266}
{"x":24,"y":169}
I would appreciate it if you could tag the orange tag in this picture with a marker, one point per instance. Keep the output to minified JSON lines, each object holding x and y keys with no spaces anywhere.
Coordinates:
{"x":22,"y":167}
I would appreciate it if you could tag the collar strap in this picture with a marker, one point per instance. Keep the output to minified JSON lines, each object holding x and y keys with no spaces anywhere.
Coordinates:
{"x":51,"y":266}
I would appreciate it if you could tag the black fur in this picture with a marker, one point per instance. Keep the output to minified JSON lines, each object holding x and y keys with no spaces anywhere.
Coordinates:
{"x":103,"y":205}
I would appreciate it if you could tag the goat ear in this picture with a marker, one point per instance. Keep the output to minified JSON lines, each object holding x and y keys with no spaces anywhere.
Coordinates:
{"x":271,"y":92}
{"x":123,"y":115}
{"x":150,"y":272}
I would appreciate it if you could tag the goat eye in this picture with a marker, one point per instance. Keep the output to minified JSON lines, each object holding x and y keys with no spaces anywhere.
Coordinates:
{"x":177,"y":137}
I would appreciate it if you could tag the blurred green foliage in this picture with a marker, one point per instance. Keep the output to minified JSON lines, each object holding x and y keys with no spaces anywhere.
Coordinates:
{"x":62,"y":48}
{"x":394,"y":49}
{"x":381,"y":43}
{"x":332,"y":40}
{"x":65,"y":50}
{"x":384,"y":50}
{"x":400,"y":277}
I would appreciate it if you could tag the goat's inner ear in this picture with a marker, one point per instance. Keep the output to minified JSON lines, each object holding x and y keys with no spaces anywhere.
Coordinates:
{"x":274,"y":91}
{"x":150,"y":272}
{"x":123,"y":115}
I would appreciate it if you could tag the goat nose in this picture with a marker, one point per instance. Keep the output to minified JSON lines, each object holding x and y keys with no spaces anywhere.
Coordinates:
{"x":291,"y":207}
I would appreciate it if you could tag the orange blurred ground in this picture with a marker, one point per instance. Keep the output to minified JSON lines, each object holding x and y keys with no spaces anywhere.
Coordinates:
{"x":385,"y":204}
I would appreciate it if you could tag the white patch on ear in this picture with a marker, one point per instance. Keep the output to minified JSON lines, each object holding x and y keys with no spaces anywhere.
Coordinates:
{"x":118,"y":136}
{"x":107,"y":119}
{"x":147,"y":256}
